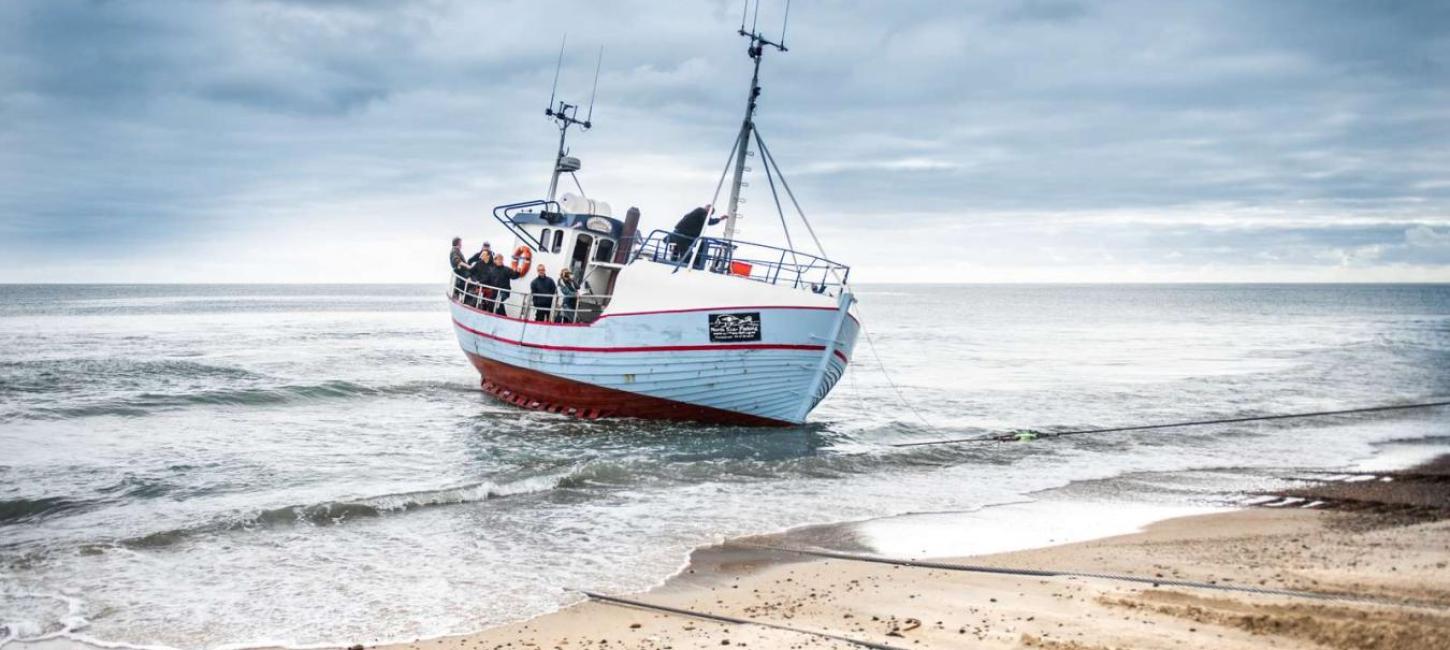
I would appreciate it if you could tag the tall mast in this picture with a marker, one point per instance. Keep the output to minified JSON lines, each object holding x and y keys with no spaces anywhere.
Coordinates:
{"x":567,"y":115}
{"x":747,"y":127}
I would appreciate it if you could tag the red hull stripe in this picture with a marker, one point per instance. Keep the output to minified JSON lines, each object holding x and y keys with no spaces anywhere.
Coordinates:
{"x":544,"y":392}
{"x":648,"y":348}
{"x":640,"y":313}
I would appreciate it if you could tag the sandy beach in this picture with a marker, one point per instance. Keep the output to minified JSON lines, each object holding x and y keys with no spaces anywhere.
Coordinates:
{"x":1373,"y":556}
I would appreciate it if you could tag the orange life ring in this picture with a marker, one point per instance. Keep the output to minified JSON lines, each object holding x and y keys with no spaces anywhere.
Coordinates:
{"x":525,"y":255}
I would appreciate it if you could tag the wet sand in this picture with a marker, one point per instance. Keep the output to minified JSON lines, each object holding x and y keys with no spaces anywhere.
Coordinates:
{"x":1378,"y":549}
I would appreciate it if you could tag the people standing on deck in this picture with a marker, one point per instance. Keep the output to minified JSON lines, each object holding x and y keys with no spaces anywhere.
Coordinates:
{"x":688,"y":229}
{"x":569,"y":289}
{"x":459,"y":265}
{"x":501,"y":276}
{"x":543,"y":289}
{"x":477,"y":265}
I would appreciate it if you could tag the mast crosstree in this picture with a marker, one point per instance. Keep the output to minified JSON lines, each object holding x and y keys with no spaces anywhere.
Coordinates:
{"x":758,"y":43}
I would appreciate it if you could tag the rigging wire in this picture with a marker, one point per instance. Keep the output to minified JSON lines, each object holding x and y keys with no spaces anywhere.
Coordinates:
{"x":770,"y":160}
{"x":582,"y":193}
{"x":1175,"y":425}
{"x":790,"y":244}
{"x":726,"y":172}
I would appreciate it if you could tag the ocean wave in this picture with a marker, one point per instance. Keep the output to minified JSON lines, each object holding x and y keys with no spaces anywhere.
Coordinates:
{"x":19,"y":510}
{"x":145,"y":403}
{"x":332,"y":513}
{"x":84,"y":375}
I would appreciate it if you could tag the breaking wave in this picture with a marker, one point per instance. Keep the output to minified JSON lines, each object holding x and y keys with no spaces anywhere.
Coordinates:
{"x":18,"y":510}
{"x":145,"y":403}
{"x":331,"y":513}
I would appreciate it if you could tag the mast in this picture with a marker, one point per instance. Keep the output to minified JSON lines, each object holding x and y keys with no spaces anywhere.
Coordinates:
{"x":747,"y":127}
{"x":567,"y":115}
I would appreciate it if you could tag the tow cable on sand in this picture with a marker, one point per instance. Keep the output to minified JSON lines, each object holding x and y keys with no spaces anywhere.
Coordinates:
{"x":1118,"y":577}
{"x":721,"y":618}
{"x":1027,"y":435}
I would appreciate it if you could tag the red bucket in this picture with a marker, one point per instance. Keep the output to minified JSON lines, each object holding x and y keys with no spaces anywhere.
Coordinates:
{"x":740,"y":268}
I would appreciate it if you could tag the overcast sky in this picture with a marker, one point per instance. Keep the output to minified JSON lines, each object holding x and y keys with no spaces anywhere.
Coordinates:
{"x":948,"y":141}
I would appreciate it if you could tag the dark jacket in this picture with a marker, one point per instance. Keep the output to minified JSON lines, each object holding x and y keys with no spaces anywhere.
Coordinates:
{"x":455,"y":261}
{"x":477,"y":269}
{"x":500,"y":276}
{"x":568,"y":288}
{"x":692,"y":224}
{"x":543,"y":289}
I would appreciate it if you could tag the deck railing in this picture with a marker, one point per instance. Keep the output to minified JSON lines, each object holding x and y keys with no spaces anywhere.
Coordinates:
{"x":758,"y":262}
{"x":505,"y":215}
{"x":582,"y":308}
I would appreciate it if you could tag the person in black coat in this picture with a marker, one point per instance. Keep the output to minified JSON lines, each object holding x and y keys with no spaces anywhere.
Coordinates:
{"x":459,"y":265}
{"x":501,"y":276}
{"x":478,"y":273}
{"x":543,"y":289}
{"x":688,"y":229}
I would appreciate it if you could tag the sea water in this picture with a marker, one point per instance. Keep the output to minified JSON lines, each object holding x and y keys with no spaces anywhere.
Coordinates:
{"x":209,"y":466}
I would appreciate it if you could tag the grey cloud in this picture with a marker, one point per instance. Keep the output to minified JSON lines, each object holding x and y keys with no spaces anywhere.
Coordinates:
{"x":129,"y":122}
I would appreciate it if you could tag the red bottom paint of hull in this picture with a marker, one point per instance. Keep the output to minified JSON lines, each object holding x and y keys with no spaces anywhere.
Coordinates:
{"x":539,"y":391}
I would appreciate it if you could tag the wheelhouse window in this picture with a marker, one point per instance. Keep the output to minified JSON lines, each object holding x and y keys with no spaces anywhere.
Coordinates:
{"x":558,"y":241}
{"x":604,"y":252}
{"x":544,"y":239}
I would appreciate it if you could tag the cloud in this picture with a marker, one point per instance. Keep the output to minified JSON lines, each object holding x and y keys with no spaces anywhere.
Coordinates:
{"x":141,"y":135}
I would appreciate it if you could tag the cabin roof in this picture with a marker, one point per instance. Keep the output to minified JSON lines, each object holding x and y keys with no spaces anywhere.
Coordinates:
{"x":592,"y":223}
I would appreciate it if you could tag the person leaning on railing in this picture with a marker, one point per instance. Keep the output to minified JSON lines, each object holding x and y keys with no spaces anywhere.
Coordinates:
{"x":459,"y":265}
{"x":688,"y":229}
{"x":543,"y":289}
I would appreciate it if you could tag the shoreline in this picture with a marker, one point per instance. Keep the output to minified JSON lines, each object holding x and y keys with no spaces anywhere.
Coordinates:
{"x":1391,"y":550}
{"x":714,"y":568}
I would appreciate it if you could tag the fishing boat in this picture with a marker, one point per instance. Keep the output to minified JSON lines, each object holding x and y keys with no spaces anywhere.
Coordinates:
{"x":664,"y":326}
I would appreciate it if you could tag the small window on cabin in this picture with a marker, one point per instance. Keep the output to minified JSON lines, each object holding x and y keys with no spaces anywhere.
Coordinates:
{"x":604,"y":252}
{"x":544,"y":240}
{"x":558,"y":240}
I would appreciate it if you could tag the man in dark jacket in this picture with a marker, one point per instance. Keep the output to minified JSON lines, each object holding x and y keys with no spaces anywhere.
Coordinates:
{"x":543,"y":289}
{"x":501,"y":276}
{"x":459,"y":265}
{"x":688,"y":229}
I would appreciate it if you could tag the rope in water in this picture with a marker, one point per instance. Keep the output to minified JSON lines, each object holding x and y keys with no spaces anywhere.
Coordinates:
{"x":721,"y":618}
{"x":1120,"y":577}
{"x":1032,"y":435}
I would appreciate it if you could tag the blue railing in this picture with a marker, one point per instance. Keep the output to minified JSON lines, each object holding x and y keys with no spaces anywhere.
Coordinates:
{"x":758,"y":262}
{"x":504,"y":214}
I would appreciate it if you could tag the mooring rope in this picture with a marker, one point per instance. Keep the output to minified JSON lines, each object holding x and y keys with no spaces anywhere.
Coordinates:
{"x":880,"y":365}
{"x":722,"y":618}
{"x":1119,"y":577}
{"x":1032,"y":435}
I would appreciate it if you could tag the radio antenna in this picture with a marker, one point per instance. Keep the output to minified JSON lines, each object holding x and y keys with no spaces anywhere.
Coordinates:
{"x":598,"y":61}
{"x":744,"y":11}
{"x":784,"y":21}
{"x":549,"y":110}
{"x":756,"y":20}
